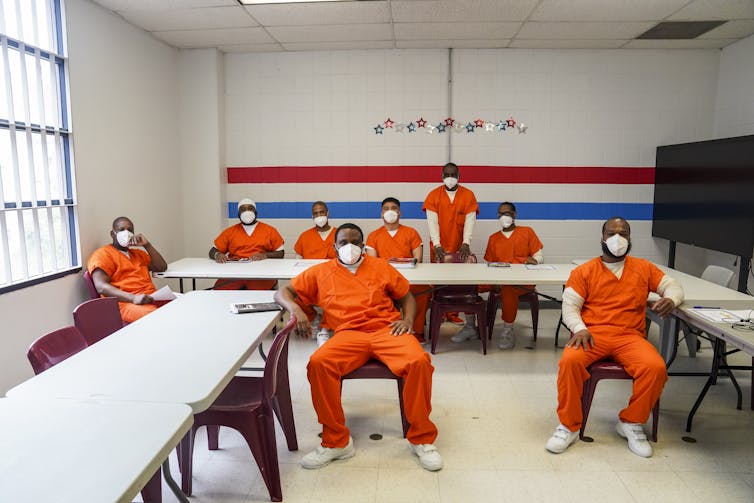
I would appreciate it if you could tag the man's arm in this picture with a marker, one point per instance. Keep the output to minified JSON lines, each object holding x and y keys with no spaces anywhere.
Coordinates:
{"x":433,"y":222}
{"x":672,"y":295}
{"x":468,"y":232}
{"x":535,"y":258}
{"x":408,"y":308}
{"x":217,"y":255}
{"x":156,"y":262}
{"x":287,"y":298}
{"x":270,"y":254}
{"x":572,"y":304}
{"x":104,"y":287}
{"x":418,"y":253}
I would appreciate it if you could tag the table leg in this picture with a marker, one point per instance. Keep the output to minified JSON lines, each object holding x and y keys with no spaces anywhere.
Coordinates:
{"x":171,"y":483}
{"x":718,"y":346}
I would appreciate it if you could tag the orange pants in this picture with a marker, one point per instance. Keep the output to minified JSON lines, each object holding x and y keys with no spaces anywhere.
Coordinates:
{"x":637,"y":355}
{"x":245,"y":284}
{"x":132,"y":312}
{"x":422,"y":304}
{"x":509,"y":300}
{"x":348,"y":350}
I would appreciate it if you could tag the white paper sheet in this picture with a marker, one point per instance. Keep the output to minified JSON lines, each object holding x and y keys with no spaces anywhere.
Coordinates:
{"x":723,"y":315}
{"x":540,"y":267}
{"x":164,"y":293}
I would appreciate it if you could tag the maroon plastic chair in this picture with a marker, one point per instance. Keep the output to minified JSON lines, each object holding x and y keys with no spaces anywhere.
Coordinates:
{"x":457,"y":298}
{"x":93,"y":293}
{"x":97,"y":318}
{"x":247,"y":405}
{"x":375,"y":369}
{"x":493,"y":301}
{"x":56,"y":346}
{"x":608,"y":370}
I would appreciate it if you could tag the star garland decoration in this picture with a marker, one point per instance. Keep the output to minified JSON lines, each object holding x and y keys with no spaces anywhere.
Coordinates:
{"x":451,"y":124}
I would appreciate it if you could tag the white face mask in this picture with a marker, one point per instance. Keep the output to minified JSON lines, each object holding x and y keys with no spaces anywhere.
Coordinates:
{"x":506,"y":221}
{"x":617,"y":244}
{"x":349,"y":254}
{"x":320,"y":221}
{"x":124,"y":237}
{"x":450,"y":182}
{"x":247,"y":217}
{"x":390,"y":216}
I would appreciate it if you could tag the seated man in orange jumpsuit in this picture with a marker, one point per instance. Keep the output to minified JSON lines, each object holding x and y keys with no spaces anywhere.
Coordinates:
{"x":121,"y":271}
{"x":604,"y":306}
{"x":394,"y":240}
{"x":451,"y":216}
{"x":248,"y":240}
{"x":318,"y":242}
{"x":514,"y":245}
{"x":357,"y":293}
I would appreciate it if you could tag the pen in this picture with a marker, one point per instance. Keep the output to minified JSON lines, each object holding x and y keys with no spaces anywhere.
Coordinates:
{"x":705,"y":307}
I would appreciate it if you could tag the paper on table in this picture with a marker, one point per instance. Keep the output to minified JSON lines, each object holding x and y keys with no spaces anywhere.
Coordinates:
{"x":540,"y":267}
{"x":163,"y":293}
{"x":723,"y":315}
{"x":308,"y":262}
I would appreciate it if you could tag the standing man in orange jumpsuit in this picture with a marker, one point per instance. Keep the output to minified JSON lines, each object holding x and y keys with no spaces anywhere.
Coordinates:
{"x":394,"y":240}
{"x":357,"y":293}
{"x":451,"y":216}
{"x":515,"y":245}
{"x":249,"y":239}
{"x":318,"y":242}
{"x":604,"y":306}
{"x":119,"y":270}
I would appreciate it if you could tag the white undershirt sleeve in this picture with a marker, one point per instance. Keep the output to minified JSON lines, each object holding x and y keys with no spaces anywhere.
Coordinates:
{"x":572,"y":304}
{"x":434,"y":227}
{"x":671,"y":289}
{"x":468,"y":227}
{"x":539,"y":256}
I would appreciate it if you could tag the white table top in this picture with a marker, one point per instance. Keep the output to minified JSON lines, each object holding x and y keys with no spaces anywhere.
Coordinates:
{"x":185,"y":352}
{"x":698,"y":291}
{"x":422,"y":274}
{"x":84,"y":450}
{"x":737,"y":338}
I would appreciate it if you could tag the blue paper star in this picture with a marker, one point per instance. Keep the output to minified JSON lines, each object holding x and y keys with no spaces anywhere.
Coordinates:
{"x":411,"y":127}
{"x":502,"y":125}
{"x":441,"y":127}
{"x":470,"y":127}
{"x":378,"y":129}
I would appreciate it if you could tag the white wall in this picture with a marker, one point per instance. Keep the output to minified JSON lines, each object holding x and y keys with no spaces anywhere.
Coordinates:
{"x":125,"y":129}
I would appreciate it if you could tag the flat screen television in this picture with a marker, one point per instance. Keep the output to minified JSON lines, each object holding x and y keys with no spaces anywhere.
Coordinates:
{"x":704,"y":194}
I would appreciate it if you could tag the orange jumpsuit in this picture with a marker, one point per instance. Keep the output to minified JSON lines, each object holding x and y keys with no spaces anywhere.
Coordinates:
{"x":522,"y":244}
{"x":614,"y":312}
{"x":361,"y":308}
{"x":450,"y":215}
{"x":311,"y":245}
{"x":402,"y":245}
{"x":128,"y":273}
{"x":238,"y":245}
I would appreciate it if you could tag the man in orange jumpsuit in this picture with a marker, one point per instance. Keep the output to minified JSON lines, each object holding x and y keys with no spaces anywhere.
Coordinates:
{"x":318,"y":242}
{"x":604,"y":306}
{"x":357,"y":293}
{"x":514,"y":245}
{"x":451,"y":216}
{"x":394,"y":240}
{"x":119,"y":270}
{"x":249,"y":239}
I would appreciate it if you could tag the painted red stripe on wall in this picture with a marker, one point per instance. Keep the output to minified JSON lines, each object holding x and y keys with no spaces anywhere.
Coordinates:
{"x":431,"y":174}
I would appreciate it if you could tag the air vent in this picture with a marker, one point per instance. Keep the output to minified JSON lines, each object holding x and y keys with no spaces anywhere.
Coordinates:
{"x":679,"y":30}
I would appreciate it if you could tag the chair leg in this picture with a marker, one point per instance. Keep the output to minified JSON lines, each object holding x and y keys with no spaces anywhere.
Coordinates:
{"x":481,"y":317}
{"x":213,"y":437}
{"x":404,"y":421}
{"x":283,"y":408}
{"x":655,"y":420}
{"x":435,"y":322}
{"x":152,"y":491}
{"x":534,"y":306}
{"x":586,"y":403}
{"x":492,"y":302}
{"x":186,"y":460}
{"x":261,"y":442}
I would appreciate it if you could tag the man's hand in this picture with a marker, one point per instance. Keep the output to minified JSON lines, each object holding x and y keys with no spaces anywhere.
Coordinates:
{"x":259,"y":256}
{"x":303,"y":326}
{"x":220,"y":257}
{"x":139,"y":240}
{"x":663,"y":307}
{"x":400,"y":327}
{"x":530,"y":260}
{"x":439,"y":254}
{"x":582,"y":339}
{"x":141,"y":298}
{"x":464,"y":252}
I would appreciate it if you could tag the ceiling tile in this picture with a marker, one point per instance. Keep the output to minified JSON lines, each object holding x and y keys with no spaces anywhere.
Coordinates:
{"x":703,"y":10}
{"x":731,"y":29}
{"x":122,"y":5}
{"x":321,"y":13}
{"x":189,"y":19}
{"x":213,"y":38}
{"x":331,"y":33}
{"x":325,"y":46}
{"x":454,"y":44}
{"x":605,"y":10}
{"x":455,"y":31}
{"x":582,"y":31}
{"x":251,"y":48}
{"x":697,"y":43}
{"x":408,"y":11}
{"x":567,"y":44}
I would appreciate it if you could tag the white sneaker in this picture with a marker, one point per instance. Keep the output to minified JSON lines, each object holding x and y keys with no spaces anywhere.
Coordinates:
{"x":561,"y":439}
{"x":637,"y":439}
{"x":323,"y":336}
{"x":507,"y":339}
{"x":429,"y":458}
{"x":466,"y":333}
{"x":323,"y":456}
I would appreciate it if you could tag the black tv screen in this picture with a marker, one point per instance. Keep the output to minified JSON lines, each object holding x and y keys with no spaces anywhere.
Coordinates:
{"x":704,"y":194}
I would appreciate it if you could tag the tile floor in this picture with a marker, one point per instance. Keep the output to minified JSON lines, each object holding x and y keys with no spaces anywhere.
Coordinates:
{"x":495,"y":413}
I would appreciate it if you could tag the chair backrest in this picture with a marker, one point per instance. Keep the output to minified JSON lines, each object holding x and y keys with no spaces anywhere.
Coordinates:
{"x":54,"y":347}
{"x":97,"y":318}
{"x":277,"y":359}
{"x":93,"y":293}
{"x":458,"y":290}
{"x":718,"y":275}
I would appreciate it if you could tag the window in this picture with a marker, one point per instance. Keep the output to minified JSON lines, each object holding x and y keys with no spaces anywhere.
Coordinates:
{"x":38,"y":230}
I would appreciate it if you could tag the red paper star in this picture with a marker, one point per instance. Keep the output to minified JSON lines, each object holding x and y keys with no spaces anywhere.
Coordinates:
{"x":449,"y":121}
{"x":511,"y":122}
{"x":389,"y":123}
{"x":421,"y":122}
{"x":479,"y":123}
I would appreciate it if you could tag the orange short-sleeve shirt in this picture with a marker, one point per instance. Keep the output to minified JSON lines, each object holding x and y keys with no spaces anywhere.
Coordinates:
{"x":612,"y":304}
{"x":128,"y":273}
{"x":237,"y":244}
{"x":451,"y":215}
{"x":311,"y":245}
{"x":522,"y":244}
{"x":401,"y":245}
{"x":362,"y":301}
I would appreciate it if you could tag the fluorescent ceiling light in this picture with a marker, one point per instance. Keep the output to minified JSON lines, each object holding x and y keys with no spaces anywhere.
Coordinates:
{"x":259,"y":2}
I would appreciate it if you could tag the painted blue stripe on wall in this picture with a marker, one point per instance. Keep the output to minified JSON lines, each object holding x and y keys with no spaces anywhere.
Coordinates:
{"x":487,"y":211}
